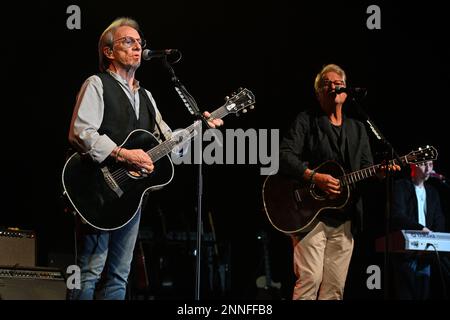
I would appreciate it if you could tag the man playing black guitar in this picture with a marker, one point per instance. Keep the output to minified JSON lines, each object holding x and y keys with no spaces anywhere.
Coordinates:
{"x":111,"y":105}
{"x":322,"y":250}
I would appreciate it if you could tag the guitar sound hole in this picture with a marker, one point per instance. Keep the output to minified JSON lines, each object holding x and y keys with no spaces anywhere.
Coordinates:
{"x":317,"y":193}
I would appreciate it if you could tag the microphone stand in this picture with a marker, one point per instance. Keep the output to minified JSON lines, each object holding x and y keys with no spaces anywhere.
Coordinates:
{"x":445,"y":183}
{"x":192,"y":107}
{"x":389,"y":186}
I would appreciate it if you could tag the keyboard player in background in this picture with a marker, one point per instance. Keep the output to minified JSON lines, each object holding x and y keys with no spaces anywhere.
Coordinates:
{"x":416,"y":206}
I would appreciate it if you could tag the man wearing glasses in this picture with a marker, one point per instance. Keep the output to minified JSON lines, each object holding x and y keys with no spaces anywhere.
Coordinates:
{"x":109,"y":106}
{"x":322,"y":253}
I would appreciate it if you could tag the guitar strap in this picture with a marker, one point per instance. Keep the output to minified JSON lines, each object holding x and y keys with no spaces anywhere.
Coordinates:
{"x":152,"y":112}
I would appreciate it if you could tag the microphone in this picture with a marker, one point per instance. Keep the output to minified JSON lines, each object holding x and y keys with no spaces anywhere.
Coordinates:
{"x":348,"y":90}
{"x":436,"y":175}
{"x":148,"y":54}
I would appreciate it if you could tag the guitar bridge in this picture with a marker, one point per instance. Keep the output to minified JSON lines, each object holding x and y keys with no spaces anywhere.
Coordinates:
{"x":111,"y":182}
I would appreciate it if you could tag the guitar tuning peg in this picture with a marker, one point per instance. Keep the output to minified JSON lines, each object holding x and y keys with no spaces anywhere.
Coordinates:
{"x":227,"y":98}
{"x":244,"y":111}
{"x":240,"y":89}
{"x":252,"y":107}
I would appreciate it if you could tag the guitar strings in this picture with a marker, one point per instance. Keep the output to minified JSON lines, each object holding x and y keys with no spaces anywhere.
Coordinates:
{"x":121,"y":175}
{"x":369,"y":171}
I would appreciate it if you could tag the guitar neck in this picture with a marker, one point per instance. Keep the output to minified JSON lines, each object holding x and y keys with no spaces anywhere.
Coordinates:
{"x":365,"y":173}
{"x":167,"y":146}
{"x":236,"y":103}
{"x":219,"y":113}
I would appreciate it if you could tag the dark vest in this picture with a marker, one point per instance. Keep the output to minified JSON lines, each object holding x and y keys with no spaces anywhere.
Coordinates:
{"x":119,"y":117}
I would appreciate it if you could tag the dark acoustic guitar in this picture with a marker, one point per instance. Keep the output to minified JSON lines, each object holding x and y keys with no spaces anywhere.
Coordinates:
{"x":108,"y":195}
{"x":293,"y":206}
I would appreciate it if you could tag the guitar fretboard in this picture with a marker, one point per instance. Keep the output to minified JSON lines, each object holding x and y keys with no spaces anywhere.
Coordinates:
{"x":365,"y":173}
{"x":167,"y":146}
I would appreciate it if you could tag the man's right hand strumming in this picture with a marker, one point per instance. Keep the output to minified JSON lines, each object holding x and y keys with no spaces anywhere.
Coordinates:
{"x":136,"y":158}
{"x":325,"y":182}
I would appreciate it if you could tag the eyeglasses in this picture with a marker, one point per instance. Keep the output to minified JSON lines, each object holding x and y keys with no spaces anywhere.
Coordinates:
{"x":425,"y":164}
{"x":128,"y":42}
{"x":327,"y":83}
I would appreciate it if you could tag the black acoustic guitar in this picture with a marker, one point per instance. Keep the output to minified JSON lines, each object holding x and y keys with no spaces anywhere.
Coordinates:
{"x":293,"y":206}
{"x":107,"y":195}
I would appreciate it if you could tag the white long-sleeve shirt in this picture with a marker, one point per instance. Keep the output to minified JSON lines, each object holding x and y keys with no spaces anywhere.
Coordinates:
{"x":88,"y":116}
{"x":421,"y":204}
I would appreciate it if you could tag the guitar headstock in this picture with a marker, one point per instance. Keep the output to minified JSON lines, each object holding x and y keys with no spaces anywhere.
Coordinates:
{"x":422,"y":154}
{"x":240,"y":101}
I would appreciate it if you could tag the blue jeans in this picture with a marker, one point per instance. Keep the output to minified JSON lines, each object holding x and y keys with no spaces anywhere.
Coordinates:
{"x":412,"y":278}
{"x":104,"y":258}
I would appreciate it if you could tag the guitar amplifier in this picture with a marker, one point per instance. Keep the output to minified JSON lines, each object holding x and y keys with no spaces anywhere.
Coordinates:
{"x":32,"y":284}
{"x":17,"y":247}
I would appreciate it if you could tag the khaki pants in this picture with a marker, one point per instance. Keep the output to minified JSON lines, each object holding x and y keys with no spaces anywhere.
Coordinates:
{"x":321,"y":261}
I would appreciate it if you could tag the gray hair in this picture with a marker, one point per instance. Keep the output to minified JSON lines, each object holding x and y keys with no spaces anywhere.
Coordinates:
{"x":107,"y":39}
{"x":326,"y":69}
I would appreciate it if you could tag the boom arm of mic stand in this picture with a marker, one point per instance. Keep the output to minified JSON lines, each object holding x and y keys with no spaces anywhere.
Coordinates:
{"x":185,"y":96}
{"x":377,"y":133}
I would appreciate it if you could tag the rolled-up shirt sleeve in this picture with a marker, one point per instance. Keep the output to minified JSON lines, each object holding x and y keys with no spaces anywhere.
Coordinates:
{"x":86,"y":120}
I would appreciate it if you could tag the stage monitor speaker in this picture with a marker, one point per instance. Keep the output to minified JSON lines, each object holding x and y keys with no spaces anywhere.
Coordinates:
{"x":32,"y":284}
{"x":17,"y":247}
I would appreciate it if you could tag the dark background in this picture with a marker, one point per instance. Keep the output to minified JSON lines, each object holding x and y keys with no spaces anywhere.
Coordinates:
{"x":273,"y":48}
